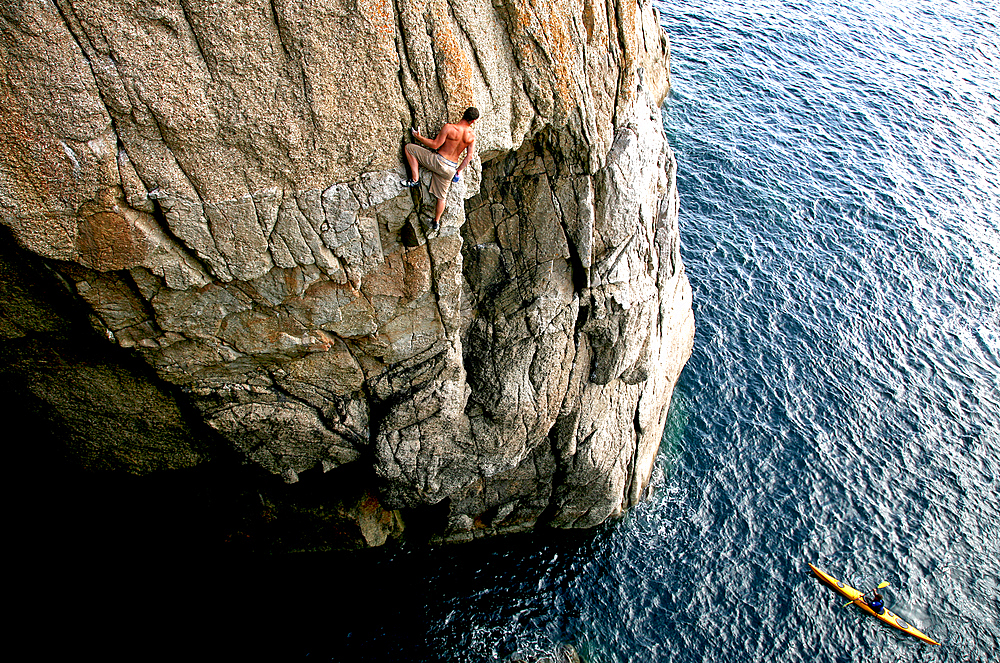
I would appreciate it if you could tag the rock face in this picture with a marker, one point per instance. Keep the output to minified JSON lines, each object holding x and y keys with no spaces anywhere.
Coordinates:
{"x":219,"y":182}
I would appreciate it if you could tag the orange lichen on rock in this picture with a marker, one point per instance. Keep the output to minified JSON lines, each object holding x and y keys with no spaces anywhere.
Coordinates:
{"x":382,"y":18}
{"x":457,"y":73}
{"x":545,"y":24}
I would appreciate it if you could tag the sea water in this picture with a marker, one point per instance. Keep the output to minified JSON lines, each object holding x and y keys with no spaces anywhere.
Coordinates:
{"x":839,"y":173}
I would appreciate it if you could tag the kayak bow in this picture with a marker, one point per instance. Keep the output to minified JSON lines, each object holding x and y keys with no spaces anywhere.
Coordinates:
{"x":888,"y":616}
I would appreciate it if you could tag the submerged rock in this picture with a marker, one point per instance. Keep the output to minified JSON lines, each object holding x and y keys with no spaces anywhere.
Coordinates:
{"x":219,"y":185}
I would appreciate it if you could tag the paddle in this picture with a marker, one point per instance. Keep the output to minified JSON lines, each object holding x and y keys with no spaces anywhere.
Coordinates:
{"x":881,"y":585}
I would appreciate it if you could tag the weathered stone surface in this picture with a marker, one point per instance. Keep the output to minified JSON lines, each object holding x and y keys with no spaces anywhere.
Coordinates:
{"x":59,"y":380}
{"x":221,"y":181}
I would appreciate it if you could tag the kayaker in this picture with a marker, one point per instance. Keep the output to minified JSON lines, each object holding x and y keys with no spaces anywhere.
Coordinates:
{"x":876,"y":603}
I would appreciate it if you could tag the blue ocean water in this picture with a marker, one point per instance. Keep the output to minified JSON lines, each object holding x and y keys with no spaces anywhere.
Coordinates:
{"x":840,"y":219}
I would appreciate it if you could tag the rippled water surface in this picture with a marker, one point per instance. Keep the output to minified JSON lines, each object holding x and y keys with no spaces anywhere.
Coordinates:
{"x":840,"y":183}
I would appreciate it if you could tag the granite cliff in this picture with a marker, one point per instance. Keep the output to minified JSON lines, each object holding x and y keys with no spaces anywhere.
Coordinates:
{"x":215,"y":187}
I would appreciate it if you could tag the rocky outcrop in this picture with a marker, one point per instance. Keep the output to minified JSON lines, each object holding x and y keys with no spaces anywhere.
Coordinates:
{"x":220,"y":184}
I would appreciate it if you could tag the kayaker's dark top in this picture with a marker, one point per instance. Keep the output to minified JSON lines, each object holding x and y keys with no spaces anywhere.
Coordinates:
{"x":876,"y":604}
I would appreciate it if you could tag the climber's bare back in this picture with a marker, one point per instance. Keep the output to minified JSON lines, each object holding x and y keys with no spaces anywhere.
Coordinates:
{"x":457,"y":140}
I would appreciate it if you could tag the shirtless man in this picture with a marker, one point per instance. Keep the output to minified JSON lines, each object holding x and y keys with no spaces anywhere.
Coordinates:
{"x":449,"y":145}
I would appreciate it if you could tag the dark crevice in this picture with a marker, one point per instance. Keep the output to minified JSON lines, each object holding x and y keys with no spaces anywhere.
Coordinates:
{"x":425,"y":522}
{"x":75,"y":29}
{"x":580,"y":279}
{"x":552,"y":509}
{"x":275,"y":17}
{"x":147,"y":307}
{"x":633,"y":473}
{"x":403,"y":61}
{"x":618,"y":29}
{"x":350,"y":435}
{"x":394,"y":373}
{"x":161,"y":220}
{"x":559,"y":476}
{"x":472,"y":47}
{"x":209,"y":66}
{"x":296,"y":61}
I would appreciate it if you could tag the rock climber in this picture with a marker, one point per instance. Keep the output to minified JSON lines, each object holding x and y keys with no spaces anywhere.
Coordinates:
{"x":440,"y":155}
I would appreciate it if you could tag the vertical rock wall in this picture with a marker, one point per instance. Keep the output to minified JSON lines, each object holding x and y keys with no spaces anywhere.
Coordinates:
{"x":219,"y":182}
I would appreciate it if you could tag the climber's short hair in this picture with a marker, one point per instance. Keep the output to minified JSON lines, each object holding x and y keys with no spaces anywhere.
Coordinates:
{"x":471,"y":114}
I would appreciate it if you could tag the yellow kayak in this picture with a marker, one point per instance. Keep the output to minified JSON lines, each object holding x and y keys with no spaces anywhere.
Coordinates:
{"x":887,"y":616}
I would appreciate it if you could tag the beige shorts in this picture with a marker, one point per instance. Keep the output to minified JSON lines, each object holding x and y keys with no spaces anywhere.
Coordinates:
{"x":442,"y":169}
